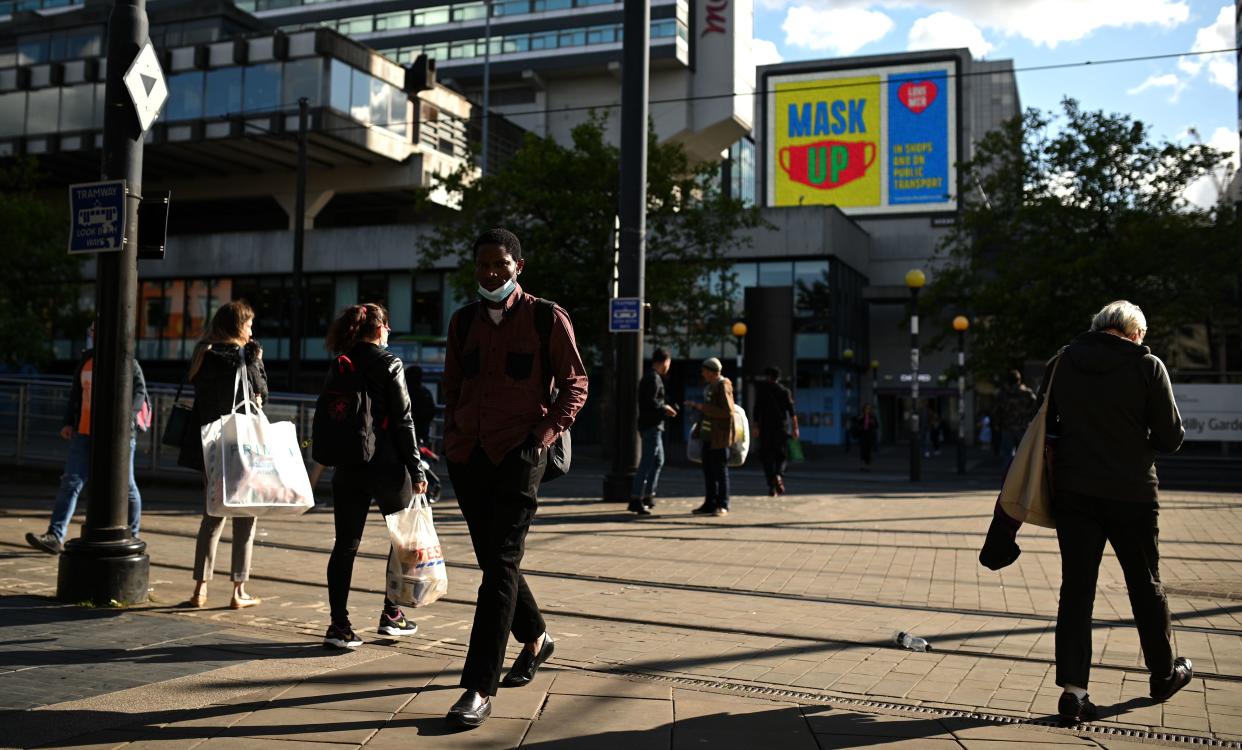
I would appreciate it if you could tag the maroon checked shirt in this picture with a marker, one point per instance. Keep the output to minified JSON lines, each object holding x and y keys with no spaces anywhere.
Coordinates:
{"x":495,"y":389}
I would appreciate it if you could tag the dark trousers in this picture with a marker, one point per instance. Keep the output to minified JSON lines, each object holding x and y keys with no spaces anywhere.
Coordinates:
{"x":716,"y":476}
{"x":866,"y":443}
{"x":1083,"y":524}
{"x":775,"y":457}
{"x":353,"y":488}
{"x":499,"y":503}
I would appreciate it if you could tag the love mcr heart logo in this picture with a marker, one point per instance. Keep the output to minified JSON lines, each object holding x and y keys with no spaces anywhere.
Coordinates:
{"x":917,"y":95}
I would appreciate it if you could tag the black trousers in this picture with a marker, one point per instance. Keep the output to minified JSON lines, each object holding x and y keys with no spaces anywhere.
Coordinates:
{"x":715,"y":476}
{"x":774,"y":454}
{"x":353,"y":488}
{"x":1083,"y":525}
{"x":499,"y":503}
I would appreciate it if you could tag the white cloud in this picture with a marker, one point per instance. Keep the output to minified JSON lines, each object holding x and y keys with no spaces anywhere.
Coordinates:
{"x":1203,"y":192}
{"x":839,"y":30}
{"x":764,"y":52}
{"x":1165,"y":81}
{"x":1221,"y":68}
{"x":1043,"y":22}
{"x":943,"y":29}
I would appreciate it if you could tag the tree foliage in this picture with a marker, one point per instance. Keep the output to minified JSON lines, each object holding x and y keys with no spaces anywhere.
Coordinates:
{"x":39,"y":285}
{"x":1057,"y":221}
{"x":561,"y":202}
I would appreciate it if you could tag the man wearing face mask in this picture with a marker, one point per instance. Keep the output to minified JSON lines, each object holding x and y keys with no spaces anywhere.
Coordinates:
{"x":498,"y":425}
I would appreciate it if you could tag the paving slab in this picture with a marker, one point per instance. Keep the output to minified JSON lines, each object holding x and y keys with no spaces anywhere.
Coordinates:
{"x":310,"y":725}
{"x":410,"y":731}
{"x":588,"y":722}
{"x":826,"y":720}
{"x":730,"y":723}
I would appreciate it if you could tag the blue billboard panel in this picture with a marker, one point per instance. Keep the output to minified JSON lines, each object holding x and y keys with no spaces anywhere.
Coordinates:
{"x":918,"y":138}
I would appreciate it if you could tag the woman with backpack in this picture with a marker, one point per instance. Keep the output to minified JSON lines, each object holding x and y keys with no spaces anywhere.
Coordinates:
{"x":224,"y":346}
{"x":389,"y":473}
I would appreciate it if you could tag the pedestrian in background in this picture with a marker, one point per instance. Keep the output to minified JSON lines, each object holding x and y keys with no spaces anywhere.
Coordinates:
{"x":1016,"y":407}
{"x":77,"y":430}
{"x":868,"y":427}
{"x":1111,"y":409}
{"x":776,"y":422}
{"x":225,"y":346}
{"x":715,"y":432}
{"x":499,"y":421}
{"x":652,"y":411}
{"x":391,"y":477}
{"x":422,"y":404}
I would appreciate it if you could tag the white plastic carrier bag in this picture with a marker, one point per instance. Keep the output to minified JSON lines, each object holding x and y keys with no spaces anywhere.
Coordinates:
{"x":416,"y":573}
{"x":741,"y":437}
{"x":253,"y":467}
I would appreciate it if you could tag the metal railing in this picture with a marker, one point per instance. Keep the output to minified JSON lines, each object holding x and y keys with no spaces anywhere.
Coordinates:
{"x":32,"y":411}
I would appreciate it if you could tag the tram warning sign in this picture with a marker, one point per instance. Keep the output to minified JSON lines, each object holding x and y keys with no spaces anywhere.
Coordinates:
{"x":97,"y":217}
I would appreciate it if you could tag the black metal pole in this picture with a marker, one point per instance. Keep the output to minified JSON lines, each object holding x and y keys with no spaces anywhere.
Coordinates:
{"x":106,"y":564}
{"x":961,"y":402}
{"x":915,"y":468}
{"x":633,"y":213}
{"x":299,"y":243}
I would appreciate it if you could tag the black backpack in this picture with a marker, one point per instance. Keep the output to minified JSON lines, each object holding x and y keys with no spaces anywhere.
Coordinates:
{"x":343,"y":431}
{"x":560,"y":454}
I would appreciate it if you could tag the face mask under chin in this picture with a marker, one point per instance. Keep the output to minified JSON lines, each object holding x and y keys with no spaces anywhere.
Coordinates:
{"x":501,"y":294}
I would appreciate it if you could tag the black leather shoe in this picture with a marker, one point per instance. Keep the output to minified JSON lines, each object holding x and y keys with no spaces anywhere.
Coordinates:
{"x":704,"y":510}
{"x":649,"y":501}
{"x":470,"y":710}
{"x":527,"y":663}
{"x":1074,"y":710}
{"x":639,"y":509}
{"x":1164,"y":688}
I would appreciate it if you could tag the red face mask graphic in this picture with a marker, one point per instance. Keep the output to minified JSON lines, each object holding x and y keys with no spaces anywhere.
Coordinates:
{"x":827,"y":164}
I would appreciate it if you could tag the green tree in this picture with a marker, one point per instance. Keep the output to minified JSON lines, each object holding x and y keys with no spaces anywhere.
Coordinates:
{"x":39,"y":286}
{"x":561,"y":201}
{"x":1057,"y":221}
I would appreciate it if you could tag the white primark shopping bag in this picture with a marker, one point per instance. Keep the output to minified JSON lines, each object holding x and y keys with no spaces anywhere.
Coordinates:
{"x":253,"y":467}
{"x":416,"y":573}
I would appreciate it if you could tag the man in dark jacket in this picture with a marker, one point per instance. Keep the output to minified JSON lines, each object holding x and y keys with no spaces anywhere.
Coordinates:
{"x":77,"y":430}
{"x":652,"y":411}
{"x":1111,"y":410}
{"x":1017,"y":406}
{"x":498,"y":427}
{"x":776,"y":421}
{"x":422,"y":403}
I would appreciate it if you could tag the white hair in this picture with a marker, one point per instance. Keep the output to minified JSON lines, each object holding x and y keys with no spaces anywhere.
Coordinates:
{"x":1121,"y":316}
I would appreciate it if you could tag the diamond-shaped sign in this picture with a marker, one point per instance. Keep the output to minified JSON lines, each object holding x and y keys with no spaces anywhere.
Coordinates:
{"x":147,"y":89}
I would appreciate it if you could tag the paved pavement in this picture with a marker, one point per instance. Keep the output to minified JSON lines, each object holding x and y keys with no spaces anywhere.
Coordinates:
{"x":770,"y":627}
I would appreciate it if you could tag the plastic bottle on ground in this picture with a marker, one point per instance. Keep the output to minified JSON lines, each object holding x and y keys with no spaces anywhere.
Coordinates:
{"x":910,"y":642}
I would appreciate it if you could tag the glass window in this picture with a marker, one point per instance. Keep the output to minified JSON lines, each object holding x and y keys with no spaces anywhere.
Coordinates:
{"x":542,"y":41}
{"x":224,"y":92}
{"x":320,"y":300}
{"x":777,"y":273}
{"x":12,"y":113}
{"x":519,"y":43}
{"x":812,"y":288}
{"x":358,"y":25}
{"x":373,"y":288}
{"x":185,"y":96}
{"x":338,"y":93}
{"x":32,"y":51}
{"x":468,"y":11}
{"x":262,"y":88}
{"x":152,"y":314}
{"x":77,"y":107}
{"x":196,"y":309}
{"x":432,"y":16}
{"x":302,"y":80}
{"x":83,"y":44}
{"x":572,"y":38}
{"x":511,"y":7}
{"x":99,"y":105}
{"x":601,"y":35}
{"x":380,"y":98}
{"x":436,"y":51}
{"x":665,"y":28}
{"x":462,"y":49}
{"x":43,"y":111}
{"x":542,"y":5}
{"x":427,"y":305}
{"x":360,"y":96}
{"x":390,"y":21}
{"x":174,"y":318}
{"x":398,"y":111}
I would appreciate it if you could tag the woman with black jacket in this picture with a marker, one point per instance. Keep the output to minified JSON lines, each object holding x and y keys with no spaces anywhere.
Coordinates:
{"x":392,"y":476}
{"x":213,"y":370}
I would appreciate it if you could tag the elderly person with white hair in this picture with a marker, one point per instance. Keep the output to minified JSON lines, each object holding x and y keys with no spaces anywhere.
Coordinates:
{"x":1112,"y":409}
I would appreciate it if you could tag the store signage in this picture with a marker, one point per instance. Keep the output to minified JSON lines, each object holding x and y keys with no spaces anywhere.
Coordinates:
{"x":716,"y":21}
{"x":1210,"y":411}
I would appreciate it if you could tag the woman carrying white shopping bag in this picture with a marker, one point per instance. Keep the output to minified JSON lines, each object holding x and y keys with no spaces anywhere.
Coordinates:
{"x":364,"y":427}
{"x":225,"y":346}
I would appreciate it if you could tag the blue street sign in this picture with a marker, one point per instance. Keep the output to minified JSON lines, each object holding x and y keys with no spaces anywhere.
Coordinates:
{"x":96,"y":217}
{"x":625,"y":315}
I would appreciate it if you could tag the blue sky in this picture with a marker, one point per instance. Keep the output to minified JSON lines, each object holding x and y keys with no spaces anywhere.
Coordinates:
{"x":1171,"y":95}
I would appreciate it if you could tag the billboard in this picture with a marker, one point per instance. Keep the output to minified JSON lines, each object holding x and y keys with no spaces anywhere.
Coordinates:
{"x":872,"y":140}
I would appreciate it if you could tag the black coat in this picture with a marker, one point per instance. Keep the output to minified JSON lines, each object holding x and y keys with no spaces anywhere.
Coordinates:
{"x":214,"y":395}
{"x":651,"y":401}
{"x":396,"y":439}
{"x":1112,"y":409}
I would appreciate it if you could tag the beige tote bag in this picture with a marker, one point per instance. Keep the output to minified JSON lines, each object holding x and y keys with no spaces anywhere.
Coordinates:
{"x":1027,"y":493}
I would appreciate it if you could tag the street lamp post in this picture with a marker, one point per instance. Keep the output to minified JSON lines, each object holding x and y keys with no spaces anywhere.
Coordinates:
{"x":915,"y":279}
{"x":739,"y":333}
{"x":848,"y":356}
{"x":960,"y":324}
